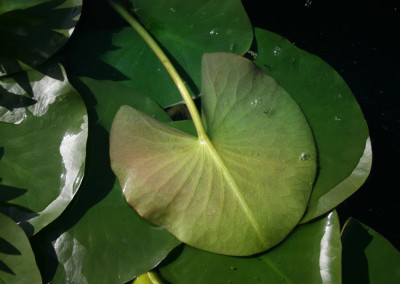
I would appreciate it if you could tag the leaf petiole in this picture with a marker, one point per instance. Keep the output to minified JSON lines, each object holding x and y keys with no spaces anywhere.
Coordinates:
{"x":168,"y":66}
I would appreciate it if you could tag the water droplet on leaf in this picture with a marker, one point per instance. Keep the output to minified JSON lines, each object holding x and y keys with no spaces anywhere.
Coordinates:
{"x":256,"y":102}
{"x":337,"y":118}
{"x":304,"y":157}
{"x":214,"y":32}
{"x":277,"y":50}
{"x":172,"y":10}
{"x":233,"y":268}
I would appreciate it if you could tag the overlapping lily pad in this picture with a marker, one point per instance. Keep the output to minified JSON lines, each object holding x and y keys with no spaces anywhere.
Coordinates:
{"x":43,"y":145}
{"x":100,"y":238}
{"x":311,"y":254}
{"x":189,"y":29}
{"x":33,"y":30}
{"x":339,"y":127}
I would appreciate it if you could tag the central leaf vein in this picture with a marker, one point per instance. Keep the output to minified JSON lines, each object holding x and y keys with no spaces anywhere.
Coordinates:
{"x":232,"y":185}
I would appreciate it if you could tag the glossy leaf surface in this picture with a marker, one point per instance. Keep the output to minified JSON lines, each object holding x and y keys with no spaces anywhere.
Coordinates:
{"x":17,"y":262}
{"x":311,"y":254}
{"x":339,"y":127}
{"x":367,"y":256}
{"x":32,"y":31}
{"x":100,"y":238}
{"x":240,"y":192}
{"x":121,"y":55}
{"x":43,"y":145}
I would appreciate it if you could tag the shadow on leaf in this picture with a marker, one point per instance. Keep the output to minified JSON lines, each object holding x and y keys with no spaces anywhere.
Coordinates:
{"x":355,"y":263}
{"x":5,"y":268}
{"x":32,"y":35}
{"x":12,"y":101}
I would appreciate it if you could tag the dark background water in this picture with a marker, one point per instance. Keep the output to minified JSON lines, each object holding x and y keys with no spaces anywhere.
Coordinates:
{"x":359,"y":39}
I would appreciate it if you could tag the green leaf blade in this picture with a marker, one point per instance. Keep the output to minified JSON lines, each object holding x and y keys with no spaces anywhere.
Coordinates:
{"x":208,"y":195}
{"x":188,"y":29}
{"x":311,"y":254}
{"x":100,"y":238}
{"x":53,"y":131}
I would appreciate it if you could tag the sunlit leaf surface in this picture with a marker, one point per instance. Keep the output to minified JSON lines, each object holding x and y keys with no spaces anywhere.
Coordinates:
{"x":33,"y":30}
{"x":239,"y":193}
{"x":311,"y":254}
{"x":100,"y":238}
{"x":339,"y":127}
{"x":17,"y":262}
{"x":42,"y":145}
{"x":367,"y":256}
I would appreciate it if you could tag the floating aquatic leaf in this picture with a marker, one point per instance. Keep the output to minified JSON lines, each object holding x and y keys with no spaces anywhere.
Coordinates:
{"x":311,"y":254}
{"x":43,"y":146}
{"x":339,"y":127}
{"x":239,"y":192}
{"x":110,"y":242}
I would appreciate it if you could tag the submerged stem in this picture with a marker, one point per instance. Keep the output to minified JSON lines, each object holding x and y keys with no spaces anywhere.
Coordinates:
{"x":168,"y":66}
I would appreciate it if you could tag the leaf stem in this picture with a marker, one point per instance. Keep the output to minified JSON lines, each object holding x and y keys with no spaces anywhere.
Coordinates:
{"x":168,"y":66}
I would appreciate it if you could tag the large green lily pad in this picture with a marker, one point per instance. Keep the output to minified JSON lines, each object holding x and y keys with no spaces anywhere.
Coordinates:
{"x":33,"y":30}
{"x":17,"y":262}
{"x":238,"y":192}
{"x":311,"y":254}
{"x":339,"y":127}
{"x":43,"y":126}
